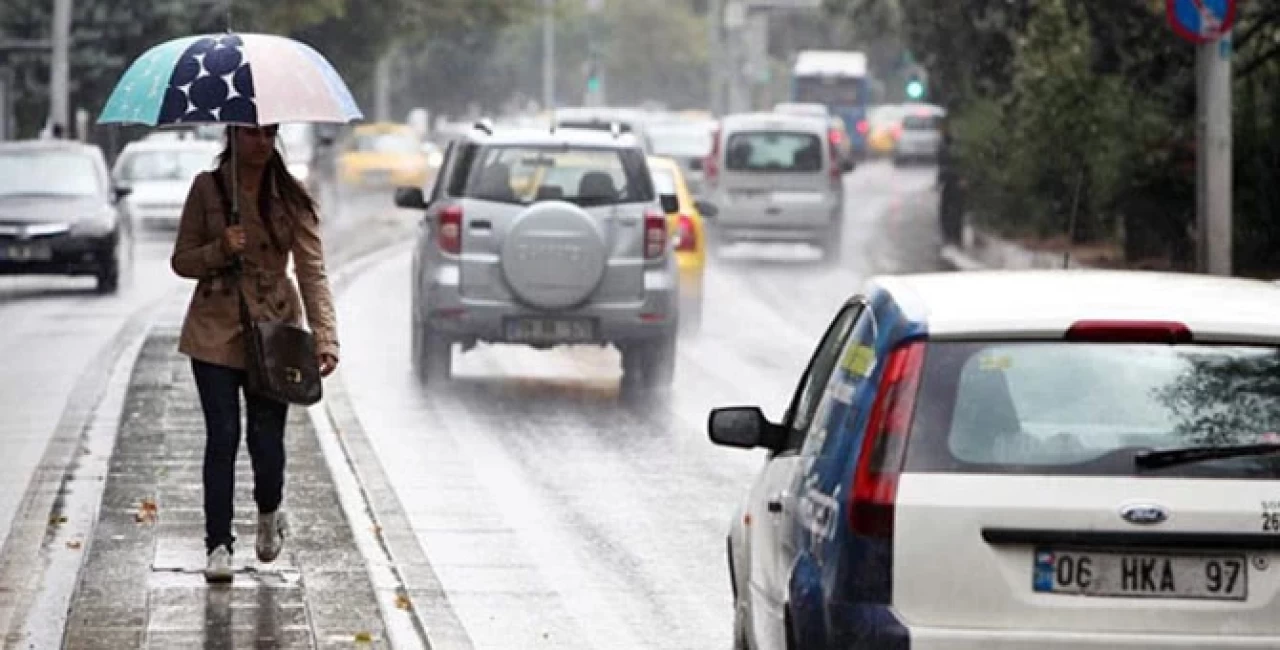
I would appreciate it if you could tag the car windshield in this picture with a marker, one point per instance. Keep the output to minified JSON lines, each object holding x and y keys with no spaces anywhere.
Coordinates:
{"x":57,"y":173}
{"x":1060,"y":406}
{"x":681,"y":141}
{"x":174,"y":165}
{"x":585,"y":176}
{"x":399,"y":143}
{"x":774,"y":151}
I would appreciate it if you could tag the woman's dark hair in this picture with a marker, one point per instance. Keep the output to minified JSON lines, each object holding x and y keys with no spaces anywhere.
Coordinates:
{"x":275,"y":176}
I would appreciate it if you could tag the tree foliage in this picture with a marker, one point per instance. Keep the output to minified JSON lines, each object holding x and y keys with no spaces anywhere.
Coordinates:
{"x":107,"y":36}
{"x":1041,"y":89}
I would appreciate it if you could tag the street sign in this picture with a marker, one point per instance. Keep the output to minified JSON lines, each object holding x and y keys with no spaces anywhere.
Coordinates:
{"x":1201,"y":21}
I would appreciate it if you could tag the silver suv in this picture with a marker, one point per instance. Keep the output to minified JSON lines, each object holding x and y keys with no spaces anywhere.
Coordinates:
{"x":544,"y":238}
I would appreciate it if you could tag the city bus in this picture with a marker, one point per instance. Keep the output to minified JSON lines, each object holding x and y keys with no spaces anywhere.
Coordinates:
{"x":839,"y":81}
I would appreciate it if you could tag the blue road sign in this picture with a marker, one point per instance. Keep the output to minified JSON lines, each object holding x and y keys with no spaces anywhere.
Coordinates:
{"x":1201,"y":21}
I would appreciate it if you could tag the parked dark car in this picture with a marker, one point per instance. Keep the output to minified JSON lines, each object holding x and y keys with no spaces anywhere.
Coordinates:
{"x":59,"y":212}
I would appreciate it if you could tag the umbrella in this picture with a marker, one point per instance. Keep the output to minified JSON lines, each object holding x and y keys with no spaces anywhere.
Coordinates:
{"x":245,"y":79}
{"x":233,"y":79}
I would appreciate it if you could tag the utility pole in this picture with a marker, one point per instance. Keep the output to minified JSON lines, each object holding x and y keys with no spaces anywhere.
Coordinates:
{"x":715,"y":56}
{"x":1213,"y":160}
{"x":59,"y":73}
{"x":548,"y":55}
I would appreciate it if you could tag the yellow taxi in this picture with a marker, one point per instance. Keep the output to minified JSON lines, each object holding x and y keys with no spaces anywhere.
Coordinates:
{"x":384,"y":155}
{"x":684,"y":217}
{"x":886,"y":127}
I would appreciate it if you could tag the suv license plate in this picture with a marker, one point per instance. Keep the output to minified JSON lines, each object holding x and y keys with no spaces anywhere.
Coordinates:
{"x":550,"y":330}
{"x":1140,"y":574}
{"x":25,"y":252}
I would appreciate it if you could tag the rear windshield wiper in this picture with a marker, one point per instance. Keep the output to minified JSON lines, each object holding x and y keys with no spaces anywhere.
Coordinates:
{"x":1186,"y":455}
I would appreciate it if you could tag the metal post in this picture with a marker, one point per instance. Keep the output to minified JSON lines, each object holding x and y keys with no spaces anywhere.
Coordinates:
{"x":1213,"y":159}
{"x":715,"y":56}
{"x":382,"y":87}
{"x":59,"y":72}
{"x":548,"y":55}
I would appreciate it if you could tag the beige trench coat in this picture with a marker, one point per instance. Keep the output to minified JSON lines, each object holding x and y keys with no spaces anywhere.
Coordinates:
{"x":211,"y":329}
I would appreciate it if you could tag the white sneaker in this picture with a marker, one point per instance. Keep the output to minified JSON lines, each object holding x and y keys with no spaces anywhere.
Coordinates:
{"x":272,"y":529}
{"x":218,"y":568}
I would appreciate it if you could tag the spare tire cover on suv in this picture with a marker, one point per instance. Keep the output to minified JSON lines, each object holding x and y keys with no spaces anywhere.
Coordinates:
{"x":553,"y":255}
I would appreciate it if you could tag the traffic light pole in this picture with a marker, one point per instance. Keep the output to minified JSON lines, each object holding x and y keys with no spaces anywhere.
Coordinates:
{"x":1213,"y":159}
{"x":59,"y":72}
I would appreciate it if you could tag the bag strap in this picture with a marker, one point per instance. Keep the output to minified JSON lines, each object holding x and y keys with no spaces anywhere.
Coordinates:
{"x":233,"y":217}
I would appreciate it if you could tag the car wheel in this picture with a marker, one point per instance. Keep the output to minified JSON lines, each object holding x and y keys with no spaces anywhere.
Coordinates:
{"x":649,"y":367}
{"x":833,"y":244}
{"x":432,"y":355}
{"x":109,"y":277}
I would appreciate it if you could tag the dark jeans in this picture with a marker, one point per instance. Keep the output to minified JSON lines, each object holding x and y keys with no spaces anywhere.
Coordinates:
{"x":220,"y":388}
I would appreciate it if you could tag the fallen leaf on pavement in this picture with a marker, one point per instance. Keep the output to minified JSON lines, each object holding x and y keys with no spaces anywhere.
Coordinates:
{"x":74,"y":544}
{"x":146,"y":511}
{"x":364,"y":637}
{"x":57,"y":519}
{"x":402,"y":601}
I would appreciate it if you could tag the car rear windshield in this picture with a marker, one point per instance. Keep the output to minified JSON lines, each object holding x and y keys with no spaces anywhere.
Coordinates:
{"x":774,"y":151}
{"x":681,"y":141}
{"x":46,"y":173}
{"x":165,"y":165}
{"x":585,"y":176}
{"x":921,"y":122}
{"x":1088,"y":409}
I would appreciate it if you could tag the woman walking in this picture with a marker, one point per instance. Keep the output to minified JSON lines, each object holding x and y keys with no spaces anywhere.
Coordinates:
{"x":278,"y":220}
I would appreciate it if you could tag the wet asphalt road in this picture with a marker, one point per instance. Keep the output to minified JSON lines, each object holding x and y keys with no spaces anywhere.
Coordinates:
{"x":557,"y":516}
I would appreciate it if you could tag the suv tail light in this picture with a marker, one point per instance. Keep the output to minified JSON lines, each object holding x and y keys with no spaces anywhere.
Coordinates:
{"x":863,"y":127}
{"x":451,"y":230}
{"x":655,"y":234}
{"x":686,"y":236}
{"x":884,"y":444}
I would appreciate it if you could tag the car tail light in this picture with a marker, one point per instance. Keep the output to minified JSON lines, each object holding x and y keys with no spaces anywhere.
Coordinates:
{"x":1110,"y":331}
{"x":884,"y":445}
{"x":686,"y":236}
{"x":896,"y":131}
{"x":711,"y":164}
{"x":863,"y":127}
{"x":655,"y":234}
{"x":835,"y":137}
{"x":451,"y":229}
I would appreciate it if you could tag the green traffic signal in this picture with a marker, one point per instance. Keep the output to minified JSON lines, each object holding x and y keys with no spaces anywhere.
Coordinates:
{"x":593,"y":84}
{"x":915,"y":89}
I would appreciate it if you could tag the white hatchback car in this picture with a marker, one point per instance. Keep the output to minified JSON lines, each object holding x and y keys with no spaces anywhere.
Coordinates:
{"x":1008,"y":460}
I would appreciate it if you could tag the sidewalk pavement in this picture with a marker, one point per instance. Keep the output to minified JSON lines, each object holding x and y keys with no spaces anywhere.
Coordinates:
{"x":980,"y":251}
{"x":142,"y":585}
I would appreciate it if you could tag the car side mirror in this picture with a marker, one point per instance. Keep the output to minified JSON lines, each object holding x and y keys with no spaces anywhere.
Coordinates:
{"x":744,"y":427}
{"x":707,"y":209}
{"x":122,"y":191}
{"x":695,"y":164}
{"x":670,"y":203}
{"x":410,"y":198}
{"x":847,"y":165}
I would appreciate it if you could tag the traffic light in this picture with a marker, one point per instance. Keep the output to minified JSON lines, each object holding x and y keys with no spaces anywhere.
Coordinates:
{"x":593,"y":83}
{"x":915,"y":89}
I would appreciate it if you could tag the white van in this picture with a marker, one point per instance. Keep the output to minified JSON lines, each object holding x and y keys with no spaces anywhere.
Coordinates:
{"x":777,"y":177}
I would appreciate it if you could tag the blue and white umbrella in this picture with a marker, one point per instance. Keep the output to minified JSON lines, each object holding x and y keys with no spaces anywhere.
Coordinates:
{"x":245,"y":79}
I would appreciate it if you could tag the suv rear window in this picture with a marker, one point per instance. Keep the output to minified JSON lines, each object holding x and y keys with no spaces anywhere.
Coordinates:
{"x":1085,"y":408}
{"x":527,"y":174}
{"x":774,"y":151}
{"x":921,"y":122}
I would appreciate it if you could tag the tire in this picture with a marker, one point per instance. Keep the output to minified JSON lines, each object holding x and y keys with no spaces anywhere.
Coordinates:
{"x":833,"y":244}
{"x":109,"y":277}
{"x":432,"y":355}
{"x":649,"y":368}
